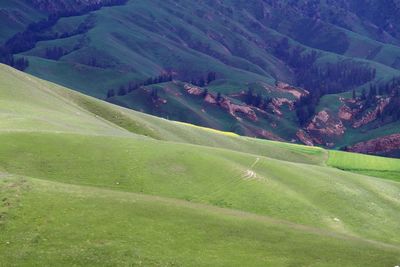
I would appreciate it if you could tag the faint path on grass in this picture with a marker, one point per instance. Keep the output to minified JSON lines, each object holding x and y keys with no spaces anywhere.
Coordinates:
{"x":250,"y":174}
{"x":247,"y":175}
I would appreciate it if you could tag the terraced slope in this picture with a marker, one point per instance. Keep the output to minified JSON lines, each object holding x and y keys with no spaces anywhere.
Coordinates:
{"x":89,"y":183}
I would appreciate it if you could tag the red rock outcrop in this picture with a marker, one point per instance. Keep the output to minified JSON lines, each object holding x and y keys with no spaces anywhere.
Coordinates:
{"x":325,"y":124}
{"x":231,"y":107}
{"x":304,"y":138}
{"x":210,"y":99}
{"x":278,"y":102}
{"x":193,"y":90}
{"x":234,"y":108}
{"x":345,"y":113}
{"x":322,"y":130}
{"x":381,"y":145}
{"x":296,"y":92}
{"x":371,"y":115}
{"x":268,"y":135}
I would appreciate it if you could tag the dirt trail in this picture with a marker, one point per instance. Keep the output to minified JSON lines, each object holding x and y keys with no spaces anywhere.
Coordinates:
{"x":255,"y":163}
{"x":250,"y":174}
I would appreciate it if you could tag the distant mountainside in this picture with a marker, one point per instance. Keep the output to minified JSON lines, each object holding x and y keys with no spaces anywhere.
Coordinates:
{"x":316,"y":72}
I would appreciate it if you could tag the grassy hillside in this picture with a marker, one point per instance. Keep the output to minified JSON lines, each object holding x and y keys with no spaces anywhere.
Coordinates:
{"x":16,"y":15}
{"x":89,"y":183}
{"x":65,"y":111}
{"x":142,"y":230}
{"x":142,"y":39}
{"x":369,"y":165}
{"x":247,"y":45}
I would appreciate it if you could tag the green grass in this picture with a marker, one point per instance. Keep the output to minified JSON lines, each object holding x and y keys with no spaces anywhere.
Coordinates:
{"x":197,"y":174}
{"x":143,"y":39}
{"x":16,"y":16}
{"x":86,"y":226}
{"x":87,"y":183}
{"x":368,"y":165}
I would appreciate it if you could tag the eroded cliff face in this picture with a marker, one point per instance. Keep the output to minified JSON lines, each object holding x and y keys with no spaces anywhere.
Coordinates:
{"x":278,"y":102}
{"x":287,"y":88}
{"x":268,"y":135}
{"x":192,"y":89}
{"x":326,"y":127}
{"x":382,"y":145}
{"x":232,"y":108}
{"x":304,"y":137}
{"x":323,"y":129}
{"x":372,"y":115}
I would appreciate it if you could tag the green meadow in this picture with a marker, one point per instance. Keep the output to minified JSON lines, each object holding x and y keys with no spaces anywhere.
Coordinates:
{"x":87,"y":183}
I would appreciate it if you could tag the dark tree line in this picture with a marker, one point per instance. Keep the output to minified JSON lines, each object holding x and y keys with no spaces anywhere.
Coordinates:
{"x":370,"y":99}
{"x":306,"y":106}
{"x":211,"y":76}
{"x":7,"y":58}
{"x":35,"y":32}
{"x":331,"y":78}
{"x":154,"y":94}
{"x":336,"y":78}
{"x":391,"y":112}
{"x":54,"y":53}
{"x":203,"y":80}
{"x":388,"y":88}
{"x":257,"y":100}
{"x":132,"y":85}
{"x":159,"y":79}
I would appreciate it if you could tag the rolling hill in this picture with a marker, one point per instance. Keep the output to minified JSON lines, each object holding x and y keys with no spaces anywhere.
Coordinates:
{"x":283,"y":70}
{"x":84,"y":182}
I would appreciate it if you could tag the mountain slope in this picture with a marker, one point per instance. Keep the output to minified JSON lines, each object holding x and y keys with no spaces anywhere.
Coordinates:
{"x":77,"y":164}
{"x":118,"y":50}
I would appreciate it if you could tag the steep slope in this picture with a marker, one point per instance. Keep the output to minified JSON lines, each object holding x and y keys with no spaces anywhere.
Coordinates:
{"x":66,"y":111}
{"x":101,"y":174}
{"x":16,"y":16}
{"x":239,"y":50}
